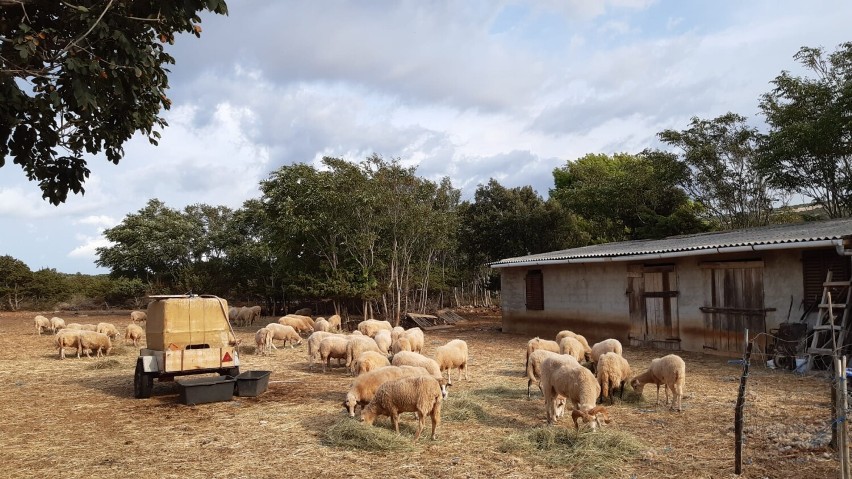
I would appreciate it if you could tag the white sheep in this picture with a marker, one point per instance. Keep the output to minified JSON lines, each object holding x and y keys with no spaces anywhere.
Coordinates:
{"x":364,"y":387}
{"x":283,"y":332}
{"x":669,"y":371}
{"x":89,"y":327}
{"x":612,"y":372}
{"x":410,"y":358}
{"x":419,"y":394}
{"x":369,"y":327}
{"x":56,"y":323}
{"x":383,"y":341}
{"x":133,"y":333}
{"x":322,"y":325}
{"x":579,"y":337}
{"x":138,"y":316}
{"x":76,"y":326}
{"x":534,"y":367}
{"x":298,"y":323}
{"x":263,"y":340}
{"x":67,"y":338}
{"x":451,"y":356}
{"x":605,"y":346}
{"x":41,"y":324}
{"x":368,"y":361}
{"x":538,"y":343}
{"x":572,"y":347}
{"x":107,"y":328}
{"x":332,"y":346}
{"x":575,"y":383}
{"x":416,"y":338}
{"x":401,"y":344}
{"x":396,"y":332}
{"x":313,"y":345}
{"x":96,"y":342}
{"x":334,"y":322}
{"x":356,"y":346}
{"x":307,"y":319}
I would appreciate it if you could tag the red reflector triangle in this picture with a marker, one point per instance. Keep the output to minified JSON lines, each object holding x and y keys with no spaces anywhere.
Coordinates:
{"x":227,"y":357}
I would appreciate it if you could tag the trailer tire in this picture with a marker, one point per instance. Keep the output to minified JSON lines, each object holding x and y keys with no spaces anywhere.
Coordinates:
{"x":234,"y":372}
{"x":143,"y":383}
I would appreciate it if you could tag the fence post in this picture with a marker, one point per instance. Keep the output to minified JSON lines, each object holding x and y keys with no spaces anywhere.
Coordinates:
{"x":738,"y":412}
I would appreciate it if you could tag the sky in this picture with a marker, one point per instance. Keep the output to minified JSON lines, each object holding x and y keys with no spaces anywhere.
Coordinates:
{"x":469,"y":90}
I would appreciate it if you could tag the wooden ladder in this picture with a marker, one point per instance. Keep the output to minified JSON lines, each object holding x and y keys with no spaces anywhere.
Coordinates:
{"x":836,"y":297}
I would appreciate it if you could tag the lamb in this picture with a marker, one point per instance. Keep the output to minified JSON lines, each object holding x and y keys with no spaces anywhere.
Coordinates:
{"x":56,"y":324}
{"x":612,"y":372}
{"x":334,"y":323}
{"x":138,"y":316}
{"x":368,"y":361}
{"x":313,"y":345}
{"x":383,"y":341}
{"x":364,"y":387}
{"x":538,"y":343}
{"x":297,"y":323}
{"x":605,"y":346}
{"x":107,"y":328}
{"x":579,"y":337}
{"x":41,"y":324}
{"x":356,"y":346}
{"x":401,"y":344}
{"x":575,"y":383}
{"x":96,"y":342}
{"x":284,"y":333}
{"x":420,"y":394}
{"x":534,"y":367}
{"x":322,"y":325}
{"x":333,"y":346}
{"x":450,"y":356}
{"x":669,"y":371}
{"x":415,"y":338}
{"x":370,"y":327}
{"x":410,"y":358}
{"x":263,"y":340}
{"x":133,"y":333}
{"x":597,"y":416}
{"x":67,"y":338}
{"x":572,"y":347}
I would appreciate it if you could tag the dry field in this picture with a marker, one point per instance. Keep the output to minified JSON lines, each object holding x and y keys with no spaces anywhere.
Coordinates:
{"x":78,"y":418}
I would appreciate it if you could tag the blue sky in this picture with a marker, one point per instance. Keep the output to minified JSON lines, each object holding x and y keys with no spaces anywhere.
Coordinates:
{"x":470,"y":90}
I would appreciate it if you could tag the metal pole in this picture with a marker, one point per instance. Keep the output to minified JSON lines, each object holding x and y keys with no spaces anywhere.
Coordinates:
{"x":738,"y":412}
{"x":842,"y":415}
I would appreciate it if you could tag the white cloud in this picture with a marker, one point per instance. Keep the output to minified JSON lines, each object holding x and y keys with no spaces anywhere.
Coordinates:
{"x":97,"y":220}
{"x":86,"y":250}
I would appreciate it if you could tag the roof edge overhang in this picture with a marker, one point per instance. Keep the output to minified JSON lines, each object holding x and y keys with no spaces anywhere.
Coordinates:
{"x":836,"y":243}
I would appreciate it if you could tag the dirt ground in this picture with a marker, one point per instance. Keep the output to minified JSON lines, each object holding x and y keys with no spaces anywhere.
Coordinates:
{"x":78,"y":417}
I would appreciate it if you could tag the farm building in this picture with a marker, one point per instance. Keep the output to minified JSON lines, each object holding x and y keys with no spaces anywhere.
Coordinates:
{"x":692,"y":292}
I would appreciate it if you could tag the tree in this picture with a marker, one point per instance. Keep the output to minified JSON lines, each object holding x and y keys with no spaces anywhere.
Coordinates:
{"x":722,"y":156}
{"x":48,"y":287}
{"x":15,"y":277}
{"x":83,"y":77}
{"x":809,"y":146}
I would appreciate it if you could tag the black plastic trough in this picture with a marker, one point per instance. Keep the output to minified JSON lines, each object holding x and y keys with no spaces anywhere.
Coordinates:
{"x":252,"y":383}
{"x":206,"y":390}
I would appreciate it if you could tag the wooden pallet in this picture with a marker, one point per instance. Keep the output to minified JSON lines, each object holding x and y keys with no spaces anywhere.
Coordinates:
{"x":449,"y":316}
{"x":426,"y":322}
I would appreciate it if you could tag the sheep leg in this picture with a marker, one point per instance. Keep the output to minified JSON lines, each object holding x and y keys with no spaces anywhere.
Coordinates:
{"x":529,"y":385}
{"x":421,"y":421}
{"x":621,"y":393}
{"x":657,"y":403}
{"x":395,"y":419}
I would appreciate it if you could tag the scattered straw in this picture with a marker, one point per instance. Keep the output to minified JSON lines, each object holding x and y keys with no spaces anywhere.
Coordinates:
{"x":105,"y":364}
{"x":351,"y":434}
{"x":462,"y":408}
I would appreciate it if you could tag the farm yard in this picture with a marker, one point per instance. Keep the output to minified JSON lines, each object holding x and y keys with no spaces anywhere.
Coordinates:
{"x":78,"y":417}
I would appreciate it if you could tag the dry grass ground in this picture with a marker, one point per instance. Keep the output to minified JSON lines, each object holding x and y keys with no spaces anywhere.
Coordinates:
{"x":78,"y":417}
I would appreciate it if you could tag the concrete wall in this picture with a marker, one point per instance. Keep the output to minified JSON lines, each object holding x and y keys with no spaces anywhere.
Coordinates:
{"x":589,"y":298}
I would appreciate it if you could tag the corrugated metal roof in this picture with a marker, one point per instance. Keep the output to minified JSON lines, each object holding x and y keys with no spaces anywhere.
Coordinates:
{"x":799,"y":235}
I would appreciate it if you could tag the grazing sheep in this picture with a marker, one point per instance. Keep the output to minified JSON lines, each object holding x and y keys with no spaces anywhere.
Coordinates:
{"x":364,"y":387}
{"x":401,"y":344}
{"x":548,"y":366}
{"x":603,"y":347}
{"x":303,"y":312}
{"x":76,"y":326}
{"x":613,"y":371}
{"x":534,"y":367}
{"x":89,"y":327}
{"x":297,"y":323}
{"x":669,"y":371}
{"x":597,"y":417}
{"x":357,"y":333}
{"x":575,"y":383}
{"x":41,"y":324}
{"x":322,"y":325}
{"x":370,"y":327}
{"x":416,"y":338}
{"x":356,"y":346}
{"x":579,"y":337}
{"x":304,"y":317}
{"x":233,"y":314}
{"x":109,"y":329}
{"x":538,"y":343}
{"x":334,"y":323}
{"x":56,"y":324}
{"x":383,"y":341}
{"x":368,"y":361}
{"x":572,"y":347}
{"x":450,"y":356}
{"x":133,"y":333}
{"x":263,"y":340}
{"x":96,"y":342}
{"x":247,"y":314}
{"x":419,"y":394}
{"x":313,"y":345}
{"x":396,"y":332}
{"x":67,"y":338}
{"x":283,"y":332}
{"x":410,"y":358}
{"x":138,"y":316}
{"x":332,"y":346}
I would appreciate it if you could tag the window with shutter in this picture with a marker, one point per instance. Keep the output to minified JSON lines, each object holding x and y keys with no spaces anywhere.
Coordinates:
{"x":535,"y":290}
{"x":815,"y":265}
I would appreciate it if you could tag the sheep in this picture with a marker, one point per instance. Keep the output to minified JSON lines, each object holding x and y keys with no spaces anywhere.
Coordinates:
{"x":415,"y":338}
{"x":313,"y":345}
{"x":247,"y":314}
{"x":410,"y":358}
{"x":572,"y":347}
{"x":396,"y":332}
{"x":138,"y":316}
{"x":538,"y":343}
{"x":333,"y":346}
{"x":597,"y":416}
{"x":284,"y":333}
{"x":575,"y":383}
{"x":368,"y":361}
{"x":383,"y":341}
{"x":322,"y":325}
{"x":67,"y":338}
{"x":669,"y":371}
{"x":612,"y":372}
{"x":357,"y":333}
{"x":41,"y":324}
{"x":303,"y":312}
{"x":370,"y":327}
{"x":364,"y":387}
{"x":419,"y":394}
{"x":89,"y":327}
{"x":306,"y":318}
{"x":263,"y":340}
{"x":450,"y":356}
{"x":334,"y":323}
{"x":96,"y":342}
{"x":548,"y":365}
{"x":133,"y":333}
{"x":233,"y":314}
{"x":356,"y":346}
{"x":401,"y":344}
{"x":107,"y":328}
{"x":56,"y":324}
{"x":534,"y":367}
{"x":296,"y":322}
{"x":605,"y":346}
{"x":579,"y":337}
{"x":75,"y":326}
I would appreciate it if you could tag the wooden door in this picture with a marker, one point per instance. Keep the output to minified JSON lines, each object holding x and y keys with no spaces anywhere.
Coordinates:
{"x":733,"y":301}
{"x":652,"y":293}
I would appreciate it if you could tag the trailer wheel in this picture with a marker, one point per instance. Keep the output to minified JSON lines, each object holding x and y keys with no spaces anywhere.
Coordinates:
{"x":235,"y":371}
{"x":143,"y":382}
